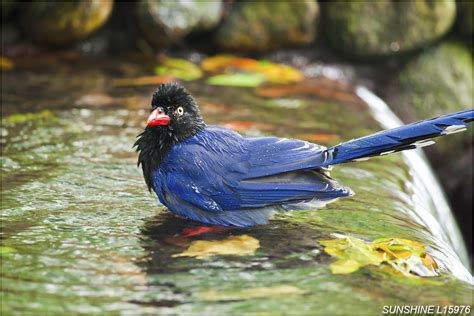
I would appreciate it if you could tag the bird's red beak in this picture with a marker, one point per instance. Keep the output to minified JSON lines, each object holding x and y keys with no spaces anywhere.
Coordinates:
{"x":157,"y":118}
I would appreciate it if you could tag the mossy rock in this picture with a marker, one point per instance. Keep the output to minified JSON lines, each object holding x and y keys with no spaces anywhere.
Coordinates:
{"x":464,"y":18}
{"x":438,"y":81}
{"x":64,"y":23}
{"x":384,"y":27}
{"x":165,"y":22}
{"x":264,"y":25}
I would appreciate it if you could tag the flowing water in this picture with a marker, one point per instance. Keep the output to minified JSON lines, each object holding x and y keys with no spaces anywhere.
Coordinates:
{"x":81,"y":234}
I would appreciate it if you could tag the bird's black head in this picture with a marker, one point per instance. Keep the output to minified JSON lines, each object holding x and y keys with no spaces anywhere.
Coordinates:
{"x":174,"y":116}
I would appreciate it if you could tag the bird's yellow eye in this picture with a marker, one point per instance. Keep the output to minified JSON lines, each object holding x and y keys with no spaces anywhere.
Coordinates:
{"x":179,"y":111}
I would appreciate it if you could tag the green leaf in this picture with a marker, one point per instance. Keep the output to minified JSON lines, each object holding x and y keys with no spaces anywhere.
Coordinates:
{"x":179,"y":68}
{"x":6,"y":250}
{"x":237,"y":80}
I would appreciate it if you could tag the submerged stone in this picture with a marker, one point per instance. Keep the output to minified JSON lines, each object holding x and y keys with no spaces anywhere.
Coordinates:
{"x":165,"y":22}
{"x":377,"y":28}
{"x":64,"y":23}
{"x":264,"y":25}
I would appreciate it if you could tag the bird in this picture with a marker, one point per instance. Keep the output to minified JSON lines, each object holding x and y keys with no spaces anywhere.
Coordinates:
{"x":215,"y":176}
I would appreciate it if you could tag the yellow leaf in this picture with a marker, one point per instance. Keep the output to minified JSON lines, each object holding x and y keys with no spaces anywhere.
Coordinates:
{"x":251,"y":293}
{"x":6,"y":63}
{"x":242,"y":245}
{"x":179,"y":68}
{"x":407,"y":257}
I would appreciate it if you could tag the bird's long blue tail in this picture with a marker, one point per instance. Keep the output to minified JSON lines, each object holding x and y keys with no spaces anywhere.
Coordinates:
{"x":401,"y":138}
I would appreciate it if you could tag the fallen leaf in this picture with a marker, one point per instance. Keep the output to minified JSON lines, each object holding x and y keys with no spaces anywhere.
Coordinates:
{"x":405,"y":256}
{"x":237,"y":80}
{"x":179,"y":68}
{"x":142,"y":81}
{"x":319,"y":137}
{"x":225,"y":62}
{"x":273,"y":72}
{"x":242,"y":245}
{"x":251,"y":293}
{"x":6,"y":63}
{"x":352,"y":253}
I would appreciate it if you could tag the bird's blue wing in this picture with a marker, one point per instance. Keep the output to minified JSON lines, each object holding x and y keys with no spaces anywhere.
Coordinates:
{"x":219,"y":170}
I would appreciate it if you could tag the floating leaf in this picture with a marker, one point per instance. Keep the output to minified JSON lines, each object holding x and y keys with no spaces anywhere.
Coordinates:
{"x":276,"y":73}
{"x":6,"y":250}
{"x":237,"y":80}
{"x":251,"y":293}
{"x":407,"y":257}
{"x":6,"y":63}
{"x":179,"y":68}
{"x":242,"y":245}
{"x":142,"y":81}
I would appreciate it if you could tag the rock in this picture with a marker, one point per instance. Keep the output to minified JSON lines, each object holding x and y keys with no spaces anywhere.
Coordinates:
{"x":165,"y":22}
{"x":438,"y":81}
{"x":464,"y":18}
{"x":264,"y":25}
{"x":64,"y":23}
{"x":385,"y":27}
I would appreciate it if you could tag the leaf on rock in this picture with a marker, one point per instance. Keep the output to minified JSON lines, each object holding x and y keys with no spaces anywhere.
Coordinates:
{"x":405,"y":256}
{"x":179,"y":68}
{"x":251,"y":293}
{"x":142,"y":81}
{"x":237,"y":80}
{"x":243,"y":245}
{"x":276,"y":73}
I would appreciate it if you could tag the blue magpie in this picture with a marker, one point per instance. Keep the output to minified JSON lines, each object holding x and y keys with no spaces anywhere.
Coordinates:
{"x":215,"y":176}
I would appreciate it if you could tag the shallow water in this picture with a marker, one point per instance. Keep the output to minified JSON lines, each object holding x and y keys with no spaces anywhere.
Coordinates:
{"x":84,"y":235}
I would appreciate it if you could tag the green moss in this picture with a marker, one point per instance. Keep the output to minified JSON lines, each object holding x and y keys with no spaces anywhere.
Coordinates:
{"x":63,"y":23}
{"x":263,"y":25}
{"x":377,"y":28}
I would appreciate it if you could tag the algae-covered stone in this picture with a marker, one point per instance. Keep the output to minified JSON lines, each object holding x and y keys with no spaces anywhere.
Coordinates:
{"x":464,"y":18}
{"x":438,"y":81}
{"x":63,"y":23}
{"x":164,"y":22}
{"x":385,"y":27}
{"x":263,"y":25}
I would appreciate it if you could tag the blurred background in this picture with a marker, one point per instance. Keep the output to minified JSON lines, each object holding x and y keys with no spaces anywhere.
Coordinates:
{"x":416,"y":55}
{"x":79,"y":232}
